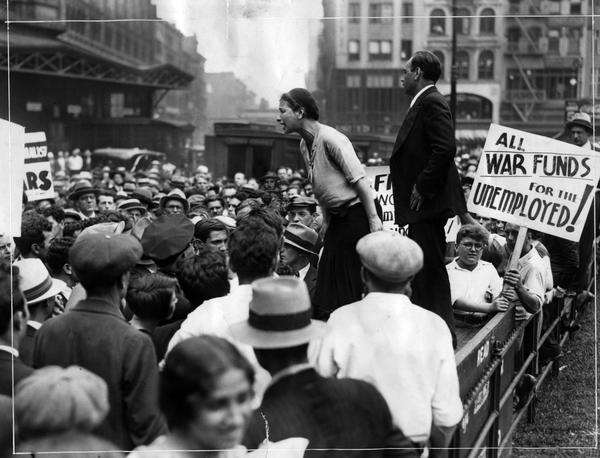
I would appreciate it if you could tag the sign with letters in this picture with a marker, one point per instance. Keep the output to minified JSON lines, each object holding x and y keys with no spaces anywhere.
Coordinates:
{"x":12,"y":141}
{"x":38,"y":176}
{"x":379,"y":178}
{"x":536,"y":182}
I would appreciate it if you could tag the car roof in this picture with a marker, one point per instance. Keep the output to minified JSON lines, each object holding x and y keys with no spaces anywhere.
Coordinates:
{"x":126,"y":153}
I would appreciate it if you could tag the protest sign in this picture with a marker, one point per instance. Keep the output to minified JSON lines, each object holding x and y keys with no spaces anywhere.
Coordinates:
{"x":534,"y":181}
{"x":38,"y":176}
{"x":379,"y":178}
{"x":12,"y":141}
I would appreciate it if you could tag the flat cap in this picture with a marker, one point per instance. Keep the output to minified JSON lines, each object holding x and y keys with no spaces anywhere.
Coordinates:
{"x":390,"y":256}
{"x":104,"y":254}
{"x":301,"y":201}
{"x":167,"y":236}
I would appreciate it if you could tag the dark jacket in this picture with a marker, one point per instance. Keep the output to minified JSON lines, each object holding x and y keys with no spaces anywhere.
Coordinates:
{"x":6,"y":374}
{"x":330,"y":413}
{"x":94,"y":335}
{"x":311,"y":281}
{"x":26,"y":345}
{"x":424,"y":155}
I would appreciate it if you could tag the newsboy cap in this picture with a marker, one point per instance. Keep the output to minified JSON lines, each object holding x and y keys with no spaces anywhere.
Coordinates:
{"x":104,"y":254}
{"x":390,"y":256}
{"x":167,"y":236}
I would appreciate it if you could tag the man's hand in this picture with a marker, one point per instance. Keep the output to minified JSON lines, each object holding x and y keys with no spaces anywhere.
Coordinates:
{"x":416,"y":199}
{"x":513,"y":278}
{"x":375,"y":224}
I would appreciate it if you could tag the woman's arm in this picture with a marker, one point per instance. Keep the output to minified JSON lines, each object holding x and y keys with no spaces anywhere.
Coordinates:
{"x":366,"y":197}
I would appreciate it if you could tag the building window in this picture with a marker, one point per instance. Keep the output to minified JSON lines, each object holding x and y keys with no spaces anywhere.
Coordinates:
{"x":354,"y":50}
{"x":380,"y":50}
{"x":406,"y":49}
{"x":534,"y":34}
{"x":437,"y":22}
{"x":575,"y":7}
{"x":462,"y":65}
{"x":380,"y":81}
{"x":485,"y":65}
{"x":407,"y":12}
{"x":553,"y":40}
{"x":381,"y":13}
{"x":487,"y":22}
{"x":354,"y":13}
{"x":442,"y":59}
{"x":513,"y":36}
{"x":352,"y":80}
{"x":463,"y":21}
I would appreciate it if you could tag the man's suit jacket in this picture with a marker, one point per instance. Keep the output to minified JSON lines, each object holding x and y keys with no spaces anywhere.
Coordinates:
{"x":21,"y":371}
{"x":26,"y":345}
{"x":95,"y":335}
{"x":423,"y":154}
{"x":330,"y":413}
{"x":311,"y":281}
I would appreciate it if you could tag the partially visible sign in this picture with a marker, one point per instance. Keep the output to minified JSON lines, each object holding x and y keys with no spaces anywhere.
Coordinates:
{"x":38,"y":176}
{"x":379,"y":178}
{"x":12,"y":141}
{"x":535,"y":182}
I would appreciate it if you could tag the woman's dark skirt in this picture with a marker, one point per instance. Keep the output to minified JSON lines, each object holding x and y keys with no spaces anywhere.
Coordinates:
{"x":338,"y":278}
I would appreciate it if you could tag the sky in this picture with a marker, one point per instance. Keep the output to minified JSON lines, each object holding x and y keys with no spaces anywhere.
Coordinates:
{"x":264,"y":42}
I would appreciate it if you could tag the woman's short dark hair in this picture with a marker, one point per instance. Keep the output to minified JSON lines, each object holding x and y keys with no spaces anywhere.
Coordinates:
{"x":300,"y":98}
{"x":428,"y":63}
{"x":474,"y":231}
{"x":203,"y":276}
{"x":192,"y":368}
{"x":149,"y":296}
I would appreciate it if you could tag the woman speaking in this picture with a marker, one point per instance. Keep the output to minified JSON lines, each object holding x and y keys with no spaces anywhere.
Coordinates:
{"x":345,"y":197}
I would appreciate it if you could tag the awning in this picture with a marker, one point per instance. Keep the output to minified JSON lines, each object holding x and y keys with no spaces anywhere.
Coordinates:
{"x":62,"y":56}
{"x":471,"y":134}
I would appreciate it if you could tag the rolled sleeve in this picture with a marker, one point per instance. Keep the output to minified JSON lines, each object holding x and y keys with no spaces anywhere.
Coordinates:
{"x":342,"y":153}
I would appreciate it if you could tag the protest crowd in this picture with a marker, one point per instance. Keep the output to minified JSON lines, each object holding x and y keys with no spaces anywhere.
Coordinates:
{"x":166,"y":309}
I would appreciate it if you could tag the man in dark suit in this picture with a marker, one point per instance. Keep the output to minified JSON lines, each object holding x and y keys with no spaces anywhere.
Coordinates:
{"x":298,"y":253}
{"x":95,"y":336}
{"x":15,"y":321}
{"x":425,"y":181}
{"x":331,"y":413}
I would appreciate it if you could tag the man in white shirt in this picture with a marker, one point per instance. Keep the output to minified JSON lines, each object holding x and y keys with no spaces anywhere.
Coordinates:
{"x":253,"y":254}
{"x":401,"y":348}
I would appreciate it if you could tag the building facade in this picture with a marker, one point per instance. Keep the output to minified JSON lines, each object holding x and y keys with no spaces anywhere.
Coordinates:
{"x":89,"y":79}
{"x":364,"y":48}
{"x":517,"y":63}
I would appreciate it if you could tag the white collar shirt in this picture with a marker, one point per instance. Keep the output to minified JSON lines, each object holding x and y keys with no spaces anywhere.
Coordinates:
{"x":34,"y":324}
{"x":531,"y":267}
{"x":12,"y":350}
{"x":418,"y":94}
{"x":402,"y":349}
{"x":302,"y":272}
{"x":472,"y":285}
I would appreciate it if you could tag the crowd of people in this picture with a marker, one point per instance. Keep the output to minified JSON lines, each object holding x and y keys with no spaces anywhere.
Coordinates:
{"x":191,"y":315}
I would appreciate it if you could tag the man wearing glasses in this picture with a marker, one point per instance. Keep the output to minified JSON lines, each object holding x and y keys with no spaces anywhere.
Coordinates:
{"x":475,"y":286}
{"x":425,"y":181}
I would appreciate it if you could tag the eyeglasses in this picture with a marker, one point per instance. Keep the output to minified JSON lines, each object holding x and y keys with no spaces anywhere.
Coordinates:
{"x":471,"y":245}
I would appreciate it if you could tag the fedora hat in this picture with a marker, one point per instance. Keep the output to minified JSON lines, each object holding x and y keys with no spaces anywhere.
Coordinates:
{"x":269,"y":174}
{"x":302,"y":238}
{"x":581,"y":119}
{"x":175,"y":194}
{"x":144,"y":195}
{"x":36,"y":282}
{"x":131,"y":204}
{"x":280,"y":315}
{"x":390,"y":256}
{"x":82,"y":187}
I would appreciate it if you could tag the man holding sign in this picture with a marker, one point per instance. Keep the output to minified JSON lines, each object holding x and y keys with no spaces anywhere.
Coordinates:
{"x":425,"y":180}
